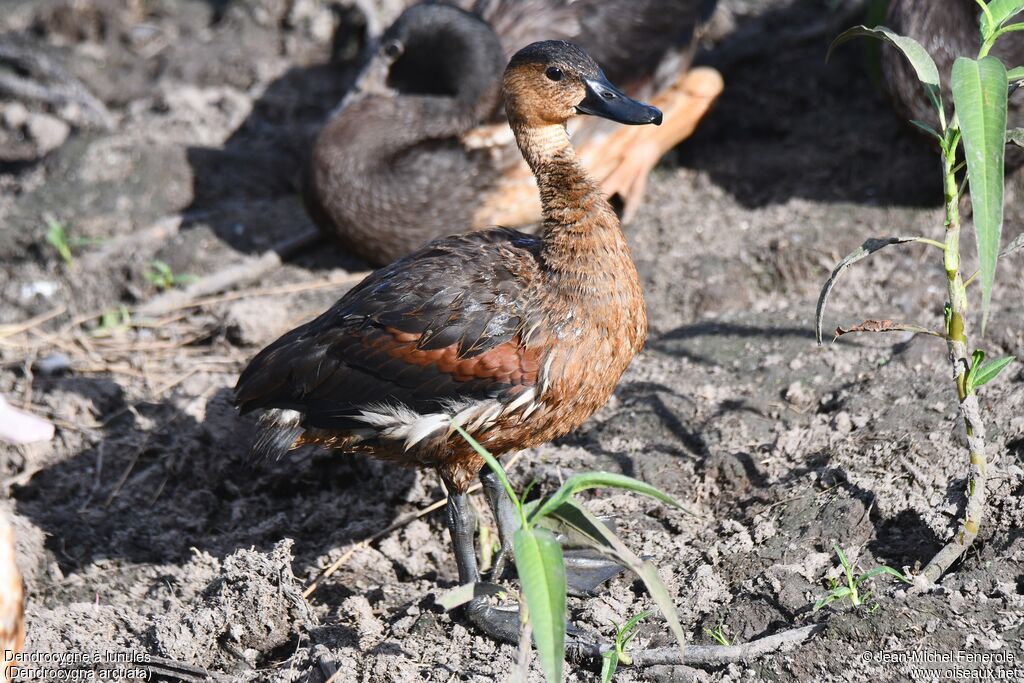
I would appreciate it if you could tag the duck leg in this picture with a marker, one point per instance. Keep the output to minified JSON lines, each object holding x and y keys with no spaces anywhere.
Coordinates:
{"x":497,"y":623}
{"x":585,"y":568}
{"x":504,"y":516}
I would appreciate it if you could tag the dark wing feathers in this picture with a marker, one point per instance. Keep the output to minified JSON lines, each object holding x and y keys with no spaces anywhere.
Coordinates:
{"x":440,"y":324}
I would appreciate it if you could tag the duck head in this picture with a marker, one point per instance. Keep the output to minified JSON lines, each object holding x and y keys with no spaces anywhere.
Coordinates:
{"x":439,"y":50}
{"x":551,"y":81}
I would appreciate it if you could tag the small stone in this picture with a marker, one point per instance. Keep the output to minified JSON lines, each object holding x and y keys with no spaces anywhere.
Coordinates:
{"x":53,"y":364}
{"x":43,"y":288}
{"x":248,"y":323}
{"x":841,"y":422}
{"x":49,"y":132}
{"x":797,"y":394}
{"x":14,"y":115}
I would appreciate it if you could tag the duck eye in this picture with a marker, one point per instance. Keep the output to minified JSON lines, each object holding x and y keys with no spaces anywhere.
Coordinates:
{"x":393,"y":49}
{"x":554,"y":73}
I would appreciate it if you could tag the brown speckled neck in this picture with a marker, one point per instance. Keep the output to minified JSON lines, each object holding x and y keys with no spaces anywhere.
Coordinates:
{"x":583,"y":244}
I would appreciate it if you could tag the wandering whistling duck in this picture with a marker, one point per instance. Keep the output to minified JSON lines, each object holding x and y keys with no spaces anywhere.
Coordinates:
{"x":420,"y":146}
{"x":517,"y":338}
{"x":947,"y":29}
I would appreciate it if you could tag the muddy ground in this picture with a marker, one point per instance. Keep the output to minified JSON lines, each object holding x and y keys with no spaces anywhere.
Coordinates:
{"x":143,"y":527}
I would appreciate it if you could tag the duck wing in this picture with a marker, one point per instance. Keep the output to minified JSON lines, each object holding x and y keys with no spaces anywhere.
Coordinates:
{"x":441,"y":327}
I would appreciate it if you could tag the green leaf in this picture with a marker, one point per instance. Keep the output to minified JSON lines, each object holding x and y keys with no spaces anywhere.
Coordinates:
{"x":457,"y":597}
{"x":542,"y":575}
{"x":57,"y":236}
{"x":493,"y":463}
{"x":609,"y":663}
{"x":877,"y":571}
{"x":980,"y":96}
{"x":927,"y":129}
{"x":593,"y":480}
{"x":573,"y":517}
{"x":920,"y":60}
{"x":842,"y":559}
{"x":989,"y":371}
{"x":633,"y":621}
{"x":656,"y":587}
{"x":1015,"y":136}
{"x":1015,"y":74}
{"x":863,"y":251}
{"x":1000,"y":11}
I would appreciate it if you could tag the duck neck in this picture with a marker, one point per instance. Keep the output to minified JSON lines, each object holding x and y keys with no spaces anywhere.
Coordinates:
{"x":581,"y":232}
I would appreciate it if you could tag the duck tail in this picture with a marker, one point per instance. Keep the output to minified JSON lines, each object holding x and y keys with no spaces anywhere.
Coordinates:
{"x":277,"y":431}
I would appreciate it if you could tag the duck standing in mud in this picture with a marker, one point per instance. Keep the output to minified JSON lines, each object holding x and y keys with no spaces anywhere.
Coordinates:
{"x":420,"y":148}
{"x":517,"y":338}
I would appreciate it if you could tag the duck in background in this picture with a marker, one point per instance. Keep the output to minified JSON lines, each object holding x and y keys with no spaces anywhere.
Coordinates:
{"x":947,"y":29}
{"x":420,"y":149}
{"x":517,"y":338}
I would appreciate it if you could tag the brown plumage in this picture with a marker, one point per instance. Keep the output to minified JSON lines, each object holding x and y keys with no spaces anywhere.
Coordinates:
{"x":12,"y":598}
{"x":517,"y":338}
{"x":420,"y":149}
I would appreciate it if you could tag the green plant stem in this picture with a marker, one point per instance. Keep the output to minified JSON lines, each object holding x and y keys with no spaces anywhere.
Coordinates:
{"x":959,"y":356}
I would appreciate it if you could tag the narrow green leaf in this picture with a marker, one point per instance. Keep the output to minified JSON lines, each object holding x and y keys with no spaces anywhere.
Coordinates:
{"x":842,"y":559}
{"x":877,"y":571}
{"x":492,"y":462}
{"x":633,"y":621}
{"x":574,"y":516}
{"x":542,"y":575}
{"x":980,"y":96}
{"x":1000,"y":11}
{"x":593,"y":480}
{"x":459,"y":596}
{"x":989,"y":371}
{"x":656,"y":587}
{"x":609,"y":663}
{"x":1015,"y":136}
{"x":57,"y":236}
{"x":1015,"y":74}
{"x":927,"y":129}
{"x":919,"y":58}
{"x":863,"y":251}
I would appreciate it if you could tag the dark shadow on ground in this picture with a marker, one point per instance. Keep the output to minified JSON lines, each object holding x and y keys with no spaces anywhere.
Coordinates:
{"x":789,"y":125}
{"x":248,"y":190}
{"x":160,"y":484}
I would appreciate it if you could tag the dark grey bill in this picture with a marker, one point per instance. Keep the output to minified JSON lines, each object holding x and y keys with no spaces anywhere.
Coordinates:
{"x":605,"y":100}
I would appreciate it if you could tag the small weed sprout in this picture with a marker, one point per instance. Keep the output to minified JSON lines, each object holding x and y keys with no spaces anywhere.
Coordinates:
{"x":59,"y":238}
{"x":113,"y":321}
{"x":718,"y":635}
{"x":851,"y":590}
{"x":541,"y":564}
{"x":623,"y":635}
{"x":972,"y":144}
{"x":161,"y":276}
